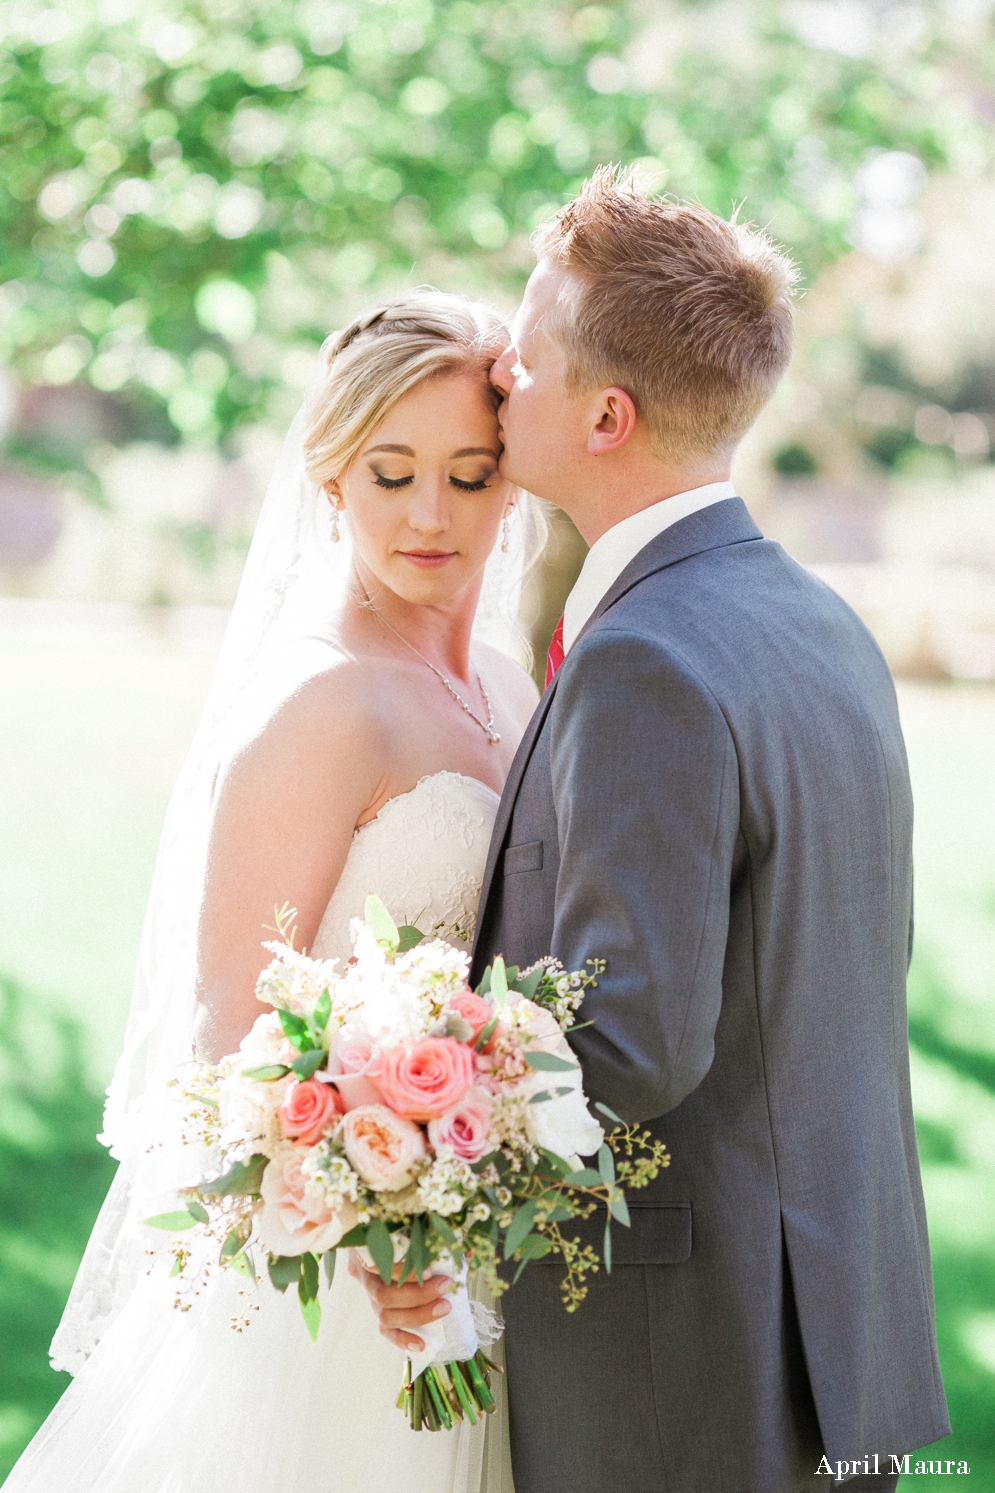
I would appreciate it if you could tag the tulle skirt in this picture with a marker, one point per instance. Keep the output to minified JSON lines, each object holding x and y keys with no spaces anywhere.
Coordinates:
{"x":179,"y":1402}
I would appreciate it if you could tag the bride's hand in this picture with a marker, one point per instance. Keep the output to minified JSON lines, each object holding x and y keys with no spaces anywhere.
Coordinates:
{"x":401,"y":1308}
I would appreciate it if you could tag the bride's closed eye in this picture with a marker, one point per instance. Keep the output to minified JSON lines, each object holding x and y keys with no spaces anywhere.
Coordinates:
{"x":382,"y":481}
{"x":477,"y":486}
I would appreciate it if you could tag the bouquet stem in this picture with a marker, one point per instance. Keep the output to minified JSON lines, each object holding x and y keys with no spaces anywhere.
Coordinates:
{"x":443,"y":1394}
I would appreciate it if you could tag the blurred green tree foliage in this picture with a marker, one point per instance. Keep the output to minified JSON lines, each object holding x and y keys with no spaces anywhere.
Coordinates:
{"x":190,"y":196}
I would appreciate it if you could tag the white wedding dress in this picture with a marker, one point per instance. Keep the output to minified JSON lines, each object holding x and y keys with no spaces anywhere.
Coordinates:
{"x":179,"y":1402}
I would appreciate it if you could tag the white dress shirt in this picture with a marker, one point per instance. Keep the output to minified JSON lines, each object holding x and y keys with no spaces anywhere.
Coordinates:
{"x":609,"y":555}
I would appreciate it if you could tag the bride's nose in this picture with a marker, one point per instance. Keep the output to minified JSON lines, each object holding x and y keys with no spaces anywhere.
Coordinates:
{"x":429,"y":509}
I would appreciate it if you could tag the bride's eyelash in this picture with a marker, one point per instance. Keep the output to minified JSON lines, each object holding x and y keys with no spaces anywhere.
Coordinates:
{"x":382,"y":481}
{"x":477,"y":486}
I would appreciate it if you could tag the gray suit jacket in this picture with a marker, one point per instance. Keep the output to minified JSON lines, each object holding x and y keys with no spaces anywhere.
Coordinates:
{"x":713,"y":796}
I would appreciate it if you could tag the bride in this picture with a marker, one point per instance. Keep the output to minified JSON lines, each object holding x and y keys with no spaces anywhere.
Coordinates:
{"x":356,"y":739}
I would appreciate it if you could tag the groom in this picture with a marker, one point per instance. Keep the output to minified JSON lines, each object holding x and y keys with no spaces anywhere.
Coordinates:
{"x":713,"y":797}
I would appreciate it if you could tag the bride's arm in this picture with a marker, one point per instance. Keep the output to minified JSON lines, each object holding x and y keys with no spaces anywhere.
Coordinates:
{"x":285,"y":809}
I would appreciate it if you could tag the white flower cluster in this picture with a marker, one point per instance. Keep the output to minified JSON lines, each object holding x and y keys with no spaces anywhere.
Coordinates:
{"x":330,"y":1178}
{"x":444,"y":1186}
{"x":248,"y":1116}
{"x":396,"y":1001}
{"x":293,"y":981}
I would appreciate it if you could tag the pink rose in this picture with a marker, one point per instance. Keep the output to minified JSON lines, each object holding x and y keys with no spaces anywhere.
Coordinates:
{"x":291,"y":1222}
{"x":475,"y":1010}
{"x":465,"y":1127}
{"x":308,"y":1109}
{"x":381,"y":1146}
{"x":354,"y":1071}
{"x":350,"y":1055}
{"x":425,"y":1080}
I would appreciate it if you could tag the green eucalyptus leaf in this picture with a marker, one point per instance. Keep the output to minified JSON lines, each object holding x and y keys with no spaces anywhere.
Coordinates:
{"x":606,"y":1165}
{"x":543,"y":1097}
{"x":519,"y":1227}
{"x":556,"y":1163}
{"x":534,"y":1246}
{"x":527,"y":985}
{"x":381,"y":925}
{"x":485,"y":1034}
{"x":417,"y":1258}
{"x":232,"y":1245}
{"x":307,"y":1286}
{"x":243,"y":1179}
{"x":484,"y":988}
{"x":329,"y":1258}
{"x":608,"y":1247}
{"x":442,"y":1228}
{"x":548,"y":1062}
{"x":199,"y":1211}
{"x":311,"y":1312}
{"x":292,"y":1024}
{"x":586,"y":1177}
{"x":322,"y":1010}
{"x":380,"y":1245}
{"x":240,"y":1264}
{"x":307,"y":1065}
{"x":499,"y":983}
{"x":355,"y":1237}
{"x":408,"y":937}
{"x":173,"y":1223}
{"x":284,"y":1270}
{"x":604,"y":1108}
{"x":267,"y":1074}
{"x":620,"y":1209}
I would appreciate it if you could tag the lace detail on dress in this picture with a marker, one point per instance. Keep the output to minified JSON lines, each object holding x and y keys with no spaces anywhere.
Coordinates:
{"x":424,"y":856}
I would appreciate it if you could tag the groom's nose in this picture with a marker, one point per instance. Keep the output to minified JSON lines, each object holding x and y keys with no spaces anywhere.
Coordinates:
{"x":501,"y":371}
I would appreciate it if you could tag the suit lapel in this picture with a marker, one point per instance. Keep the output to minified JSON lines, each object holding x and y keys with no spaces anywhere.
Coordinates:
{"x":515,"y":774}
{"x":721,"y":524}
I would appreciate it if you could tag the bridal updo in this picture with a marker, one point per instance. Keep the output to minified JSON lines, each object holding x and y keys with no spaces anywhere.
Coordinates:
{"x":368,"y":366}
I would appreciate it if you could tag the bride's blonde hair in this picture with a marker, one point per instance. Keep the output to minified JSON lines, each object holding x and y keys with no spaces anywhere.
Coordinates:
{"x":377,"y":358}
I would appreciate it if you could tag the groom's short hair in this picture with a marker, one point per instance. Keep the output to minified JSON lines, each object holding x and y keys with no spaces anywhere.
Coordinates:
{"x":688,"y":313}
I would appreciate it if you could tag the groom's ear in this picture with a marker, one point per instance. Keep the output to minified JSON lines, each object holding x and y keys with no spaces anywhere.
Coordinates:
{"x":615,"y":422}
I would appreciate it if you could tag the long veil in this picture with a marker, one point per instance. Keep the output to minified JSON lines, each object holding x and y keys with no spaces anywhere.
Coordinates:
{"x":292,"y":584}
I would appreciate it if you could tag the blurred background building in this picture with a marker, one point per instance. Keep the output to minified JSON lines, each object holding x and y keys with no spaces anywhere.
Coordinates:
{"x":193,"y":194}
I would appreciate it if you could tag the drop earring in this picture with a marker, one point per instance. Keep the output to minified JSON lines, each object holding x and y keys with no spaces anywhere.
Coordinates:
{"x":334,"y":524}
{"x":505,"y":534}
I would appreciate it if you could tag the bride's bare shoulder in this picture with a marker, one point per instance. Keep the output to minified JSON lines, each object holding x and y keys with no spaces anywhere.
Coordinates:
{"x":317,"y":703}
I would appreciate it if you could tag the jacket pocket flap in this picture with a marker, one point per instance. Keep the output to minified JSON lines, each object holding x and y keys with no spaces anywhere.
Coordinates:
{"x":523,"y":858}
{"x":660,"y":1235}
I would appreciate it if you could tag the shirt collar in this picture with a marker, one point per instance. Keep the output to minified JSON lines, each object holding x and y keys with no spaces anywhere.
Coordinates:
{"x":609,"y":555}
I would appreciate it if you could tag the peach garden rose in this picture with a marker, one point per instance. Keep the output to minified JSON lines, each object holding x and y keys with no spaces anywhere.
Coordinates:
{"x":383,"y":1147}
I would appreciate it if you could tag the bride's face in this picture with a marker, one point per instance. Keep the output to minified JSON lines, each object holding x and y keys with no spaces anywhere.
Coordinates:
{"x":424,"y":495}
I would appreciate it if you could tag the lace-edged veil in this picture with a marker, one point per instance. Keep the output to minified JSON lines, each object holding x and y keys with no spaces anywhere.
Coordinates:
{"x":293,"y":582}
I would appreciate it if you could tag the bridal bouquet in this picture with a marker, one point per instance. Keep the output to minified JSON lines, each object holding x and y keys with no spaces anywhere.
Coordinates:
{"x":386,"y":1106}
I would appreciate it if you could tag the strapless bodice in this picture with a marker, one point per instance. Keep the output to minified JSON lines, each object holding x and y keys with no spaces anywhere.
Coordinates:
{"x":424,"y":856}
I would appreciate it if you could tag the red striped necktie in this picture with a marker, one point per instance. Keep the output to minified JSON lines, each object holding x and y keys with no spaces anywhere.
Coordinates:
{"x":555,"y":655}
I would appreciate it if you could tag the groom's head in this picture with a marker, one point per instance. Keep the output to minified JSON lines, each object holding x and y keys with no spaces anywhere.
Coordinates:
{"x":651,"y":335}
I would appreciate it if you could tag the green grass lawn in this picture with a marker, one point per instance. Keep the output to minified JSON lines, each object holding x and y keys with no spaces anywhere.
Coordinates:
{"x":98,"y":710}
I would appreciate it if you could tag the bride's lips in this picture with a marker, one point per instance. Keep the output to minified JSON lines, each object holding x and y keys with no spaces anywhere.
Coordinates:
{"x":429,"y":559}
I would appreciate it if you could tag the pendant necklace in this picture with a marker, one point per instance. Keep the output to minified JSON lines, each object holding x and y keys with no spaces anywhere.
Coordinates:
{"x":486,"y":726}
